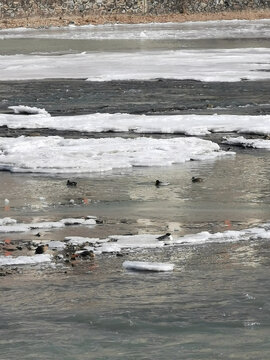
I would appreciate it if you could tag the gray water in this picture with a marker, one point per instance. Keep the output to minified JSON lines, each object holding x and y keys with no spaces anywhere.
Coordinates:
{"x":214,"y":305}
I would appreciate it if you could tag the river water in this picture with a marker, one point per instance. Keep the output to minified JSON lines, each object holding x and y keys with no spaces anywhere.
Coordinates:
{"x":214,"y":305}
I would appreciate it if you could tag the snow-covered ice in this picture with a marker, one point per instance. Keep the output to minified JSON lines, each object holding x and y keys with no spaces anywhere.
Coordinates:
{"x":204,"y":64}
{"x":56,"y":155}
{"x":194,"y":125}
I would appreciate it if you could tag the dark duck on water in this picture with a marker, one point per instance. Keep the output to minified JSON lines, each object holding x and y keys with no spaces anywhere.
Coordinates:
{"x":196,"y":179}
{"x":71,"y":183}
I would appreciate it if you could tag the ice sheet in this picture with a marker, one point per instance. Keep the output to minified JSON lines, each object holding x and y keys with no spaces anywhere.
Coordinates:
{"x":204,"y":64}
{"x":56,"y":155}
{"x":251,"y":143}
{"x":196,"y":125}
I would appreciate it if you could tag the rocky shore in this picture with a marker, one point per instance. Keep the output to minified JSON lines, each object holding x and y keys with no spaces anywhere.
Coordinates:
{"x":35,"y":22}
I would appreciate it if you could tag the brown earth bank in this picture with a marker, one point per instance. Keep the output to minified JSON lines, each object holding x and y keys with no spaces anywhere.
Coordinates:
{"x":35,"y":22}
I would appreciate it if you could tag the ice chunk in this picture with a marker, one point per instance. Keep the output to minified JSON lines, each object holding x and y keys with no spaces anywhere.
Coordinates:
{"x":25,"y":260}
{"x":22,"y":109}
{"x":147,"y":266}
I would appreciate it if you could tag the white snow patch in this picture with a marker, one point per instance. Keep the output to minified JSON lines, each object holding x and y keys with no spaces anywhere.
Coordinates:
{"x":147,"y":266}
{"x":37,"y":155}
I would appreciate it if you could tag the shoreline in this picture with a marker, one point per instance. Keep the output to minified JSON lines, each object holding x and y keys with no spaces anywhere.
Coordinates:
{"x":37,"y":22}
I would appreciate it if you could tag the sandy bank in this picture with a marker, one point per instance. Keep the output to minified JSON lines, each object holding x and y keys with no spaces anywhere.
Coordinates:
{"x":35,"y":22}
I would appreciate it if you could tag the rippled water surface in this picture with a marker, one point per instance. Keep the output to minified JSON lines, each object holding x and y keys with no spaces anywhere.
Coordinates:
{"x":214,"y":305}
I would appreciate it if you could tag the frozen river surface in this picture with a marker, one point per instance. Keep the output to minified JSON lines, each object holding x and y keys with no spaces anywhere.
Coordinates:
{"x":126,"y":105}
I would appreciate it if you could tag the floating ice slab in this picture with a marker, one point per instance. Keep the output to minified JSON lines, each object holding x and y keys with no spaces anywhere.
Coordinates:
{"x":7,"y":221}
{"x":25,"y":260}
{"x":197,"y":125}
{"x":251,"y":143}
{"x":145,"y":241}
{"x":10,"y":225}
{"x":56,"y":245}
{"x":37,"y":155}
{"x":22,"y":109}
{"x":80,"y":240}
{"x":228,"y":29}
{"x":147,"y":266}
{"x":205,"y":65}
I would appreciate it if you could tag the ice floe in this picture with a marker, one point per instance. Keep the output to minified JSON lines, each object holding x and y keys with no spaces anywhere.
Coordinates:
{"x":78,"y":247}
{"x":126,"y":243}
{"x":38,"y":155}
{"x":204,"y":64}
{"x":25,"y":260}
{"x":147,"y":266}
{"x":8,"y":225}
{"x":23,"y":109}
{"x":7,"y":221}
{"x":250,"y":143}
{"x":80,"y":240}
{"x":195,"y":125}
{"x":228,"y":29}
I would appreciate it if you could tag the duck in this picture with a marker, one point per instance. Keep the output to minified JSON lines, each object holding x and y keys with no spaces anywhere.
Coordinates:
{"x":71,"y":183}
{"x":196,"y":179}
{"x":41,"y":249}
{"x":161,"y":183}
{"x":165,"y":237}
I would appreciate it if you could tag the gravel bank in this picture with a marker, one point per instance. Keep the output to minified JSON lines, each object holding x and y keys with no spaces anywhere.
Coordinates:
{"x":35,"y":22}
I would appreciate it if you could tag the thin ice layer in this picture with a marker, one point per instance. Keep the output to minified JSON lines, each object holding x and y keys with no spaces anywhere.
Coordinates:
{"x":204,"y":64}
{"x":228,"y":29}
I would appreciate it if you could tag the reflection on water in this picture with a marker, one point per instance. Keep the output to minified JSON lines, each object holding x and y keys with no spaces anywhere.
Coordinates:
{"x":235,"y":191}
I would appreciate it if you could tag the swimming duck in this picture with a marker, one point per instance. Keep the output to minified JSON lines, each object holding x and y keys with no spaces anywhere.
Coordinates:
{"x":41,"y":249}
{"x":71,"y":183}
{"x":161,"y":183}
{"x":196,"y":179}
{"x":165,"y":237}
